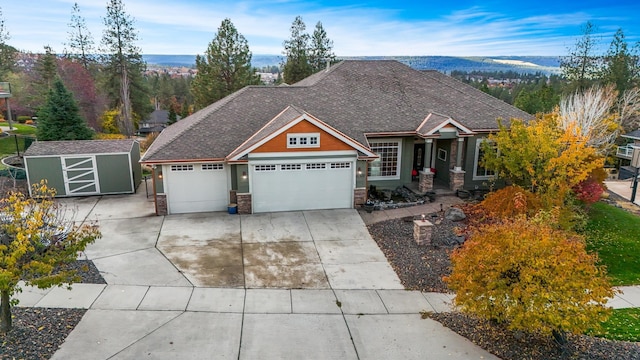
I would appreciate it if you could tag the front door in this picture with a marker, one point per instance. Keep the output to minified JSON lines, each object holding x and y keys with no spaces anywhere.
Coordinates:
{"x":443,"y":161}
{"x":418,"y":157}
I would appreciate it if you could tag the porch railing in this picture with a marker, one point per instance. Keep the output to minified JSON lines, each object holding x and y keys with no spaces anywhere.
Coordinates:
{"x":625,"y":151}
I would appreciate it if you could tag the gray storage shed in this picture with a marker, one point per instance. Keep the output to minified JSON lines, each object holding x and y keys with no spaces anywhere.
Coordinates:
{"x":85,"y":167}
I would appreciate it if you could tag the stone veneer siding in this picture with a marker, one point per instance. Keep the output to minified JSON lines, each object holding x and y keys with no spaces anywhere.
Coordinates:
{"x":161,"y":204}
{"x":244,"y":203}
{"x":425,"y":181}
{"x":422,"y":232}
{"x":359,"y":196}
{"x":456,"y":179}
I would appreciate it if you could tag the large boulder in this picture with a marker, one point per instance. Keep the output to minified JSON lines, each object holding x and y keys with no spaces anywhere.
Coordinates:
{"x":455,"y":214}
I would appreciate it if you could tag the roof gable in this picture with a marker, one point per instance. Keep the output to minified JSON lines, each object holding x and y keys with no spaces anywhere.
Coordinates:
{"x":273,"y":136}
{"x":433,"y":124}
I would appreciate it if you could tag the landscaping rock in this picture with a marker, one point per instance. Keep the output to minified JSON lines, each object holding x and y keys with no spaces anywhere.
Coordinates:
{"x":455,"y":214}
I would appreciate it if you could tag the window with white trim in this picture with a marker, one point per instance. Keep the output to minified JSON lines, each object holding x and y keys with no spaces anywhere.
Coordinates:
{"x":309,"y":140}
{"x":290,"y":167}
{"x":265,"y":167}
{"x":442,"y":154}
{"x":479,"y":171}
{"x":316,"y":166}
{"x":182,"y":167}
{"x":341,"y":165}
{"x":208,"y":167}
{"x":387,"y":165}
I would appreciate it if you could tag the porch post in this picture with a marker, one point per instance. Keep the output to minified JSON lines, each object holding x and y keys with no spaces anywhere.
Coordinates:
{"x":425,"y":180}
{"x":428,"y":144}
{"x":459,"y":154}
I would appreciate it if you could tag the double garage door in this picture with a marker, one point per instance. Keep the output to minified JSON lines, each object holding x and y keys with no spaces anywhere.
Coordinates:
{"x":301,"y":185}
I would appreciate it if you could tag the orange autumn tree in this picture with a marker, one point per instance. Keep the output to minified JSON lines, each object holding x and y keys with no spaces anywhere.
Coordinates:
{"x":542,"y":157}
{"x":530,"y":276}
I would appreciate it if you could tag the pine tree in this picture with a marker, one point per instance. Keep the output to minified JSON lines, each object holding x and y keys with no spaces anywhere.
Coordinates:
{"x":80,"y":39}
{"x":7,"y":53}
{"x":123,"y":67}
{"x":224,"y":68}
{"x":321,"y":50}
{"x":47,"y":68}
{"x":622,"y":65}
{"x":581,"y":66}
{"x":59,"y":118}
{"x":296,"y":49}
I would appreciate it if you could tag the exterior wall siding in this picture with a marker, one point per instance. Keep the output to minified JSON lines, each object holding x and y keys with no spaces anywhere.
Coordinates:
{"x":279,"y":143}
{"x":49,"y":168}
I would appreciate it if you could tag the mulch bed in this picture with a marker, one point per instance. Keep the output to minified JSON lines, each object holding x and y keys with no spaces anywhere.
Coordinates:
{"x":423,"y":267}
{"x":516,"y":345}
{"x":38,"y":332}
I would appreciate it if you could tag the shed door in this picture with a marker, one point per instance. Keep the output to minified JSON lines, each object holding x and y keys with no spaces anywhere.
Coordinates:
{"x":302,"y":186}
{"x":80,"y":175}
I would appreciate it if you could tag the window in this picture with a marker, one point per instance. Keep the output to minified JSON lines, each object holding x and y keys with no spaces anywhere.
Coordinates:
{"x":442,"y":154}
{"x":341,"y":165}
{"x":479,"y":171}
{"x":290,"y":167}
{"x":207,"y":167}
{"x":303,"y":140}
{"x":265,"y":168}
{"x":316,"y":166}
{"x":388,"y":164}
{"x":181,"y":167}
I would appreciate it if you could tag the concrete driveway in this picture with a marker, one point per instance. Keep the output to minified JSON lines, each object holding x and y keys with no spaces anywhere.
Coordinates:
{"x":292,"y":250}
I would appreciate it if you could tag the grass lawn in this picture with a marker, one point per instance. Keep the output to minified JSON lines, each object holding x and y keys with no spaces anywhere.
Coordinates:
{"x":615,"y":235}
{"x":624,"y":324}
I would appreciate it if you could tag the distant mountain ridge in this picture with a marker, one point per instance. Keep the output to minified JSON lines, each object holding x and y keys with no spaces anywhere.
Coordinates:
{"x":445,"y":64}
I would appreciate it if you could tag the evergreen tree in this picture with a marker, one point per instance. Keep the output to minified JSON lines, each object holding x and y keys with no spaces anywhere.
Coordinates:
{"x":581,"y":66}
{"x":47,"y":68}
{"x":7,"y":53}
{"x":124,"y":67}
{"x":224,"y":68}
{"x":321,"y":50}
{"x":622,"y":65}
{"x":173,"y":117}
{"x":296,"y":49}
{"x":59,"y":118}
{"x":80,"y":39}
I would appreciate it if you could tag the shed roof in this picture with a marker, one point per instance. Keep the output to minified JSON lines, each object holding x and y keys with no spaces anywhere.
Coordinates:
{"x":79,"y":147}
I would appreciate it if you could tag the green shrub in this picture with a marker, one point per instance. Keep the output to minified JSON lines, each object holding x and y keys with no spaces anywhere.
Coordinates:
{"x":23,"y":119}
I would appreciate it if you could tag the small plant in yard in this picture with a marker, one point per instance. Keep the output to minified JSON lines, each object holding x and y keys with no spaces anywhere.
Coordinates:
{"x":36,"y":237}
{"x":531,"y":276}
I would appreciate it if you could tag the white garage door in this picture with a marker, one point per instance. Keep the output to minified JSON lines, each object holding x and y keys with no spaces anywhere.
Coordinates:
{"x":302,"y":186}
{"x":196,"y":187}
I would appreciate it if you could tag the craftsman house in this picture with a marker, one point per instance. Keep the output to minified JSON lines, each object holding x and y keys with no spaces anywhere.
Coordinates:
{"x":320,"y":143}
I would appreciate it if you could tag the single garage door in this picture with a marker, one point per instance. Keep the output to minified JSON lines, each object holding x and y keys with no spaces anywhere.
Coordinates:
{"x":302,"y":186}
{"x":196,"y":187}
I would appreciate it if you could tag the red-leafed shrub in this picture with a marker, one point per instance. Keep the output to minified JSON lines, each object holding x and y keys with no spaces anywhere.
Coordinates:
{"x":588,"y":191}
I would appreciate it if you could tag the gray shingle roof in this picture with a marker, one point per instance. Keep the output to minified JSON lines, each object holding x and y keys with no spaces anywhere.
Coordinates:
{"x":635,"y":134}
{"x":77,"y":147}
{"x":355,"y":97}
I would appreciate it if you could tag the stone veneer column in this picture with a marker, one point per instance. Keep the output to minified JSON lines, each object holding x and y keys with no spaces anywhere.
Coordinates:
{"x":244,"y":203}
{"x":459,"y":154}
{"x":161,"y":204}
{"x":425,"y":180}
{"x":359,"y":196}
{"x":422,"y":232}
{"x":233,"y":196}
{"x":456,"y":179}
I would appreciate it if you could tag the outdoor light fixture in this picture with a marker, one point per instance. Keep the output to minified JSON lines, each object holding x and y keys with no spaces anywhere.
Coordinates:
{"x":244,"y":175}
{"x":359,"y":171}
{"x":160,"y":176}
{"x":423,"y":217}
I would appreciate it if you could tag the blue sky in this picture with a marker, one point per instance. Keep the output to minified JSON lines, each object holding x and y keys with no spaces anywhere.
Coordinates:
{"x":358,"y":28}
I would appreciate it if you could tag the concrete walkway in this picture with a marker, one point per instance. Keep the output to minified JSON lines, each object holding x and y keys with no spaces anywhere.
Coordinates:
{"x":623,"y":188}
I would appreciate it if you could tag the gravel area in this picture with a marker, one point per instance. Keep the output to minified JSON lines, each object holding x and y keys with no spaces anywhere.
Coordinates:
{"x":515,"y":345}
{"x":38,"y":332}
{"x":418,"y":267}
